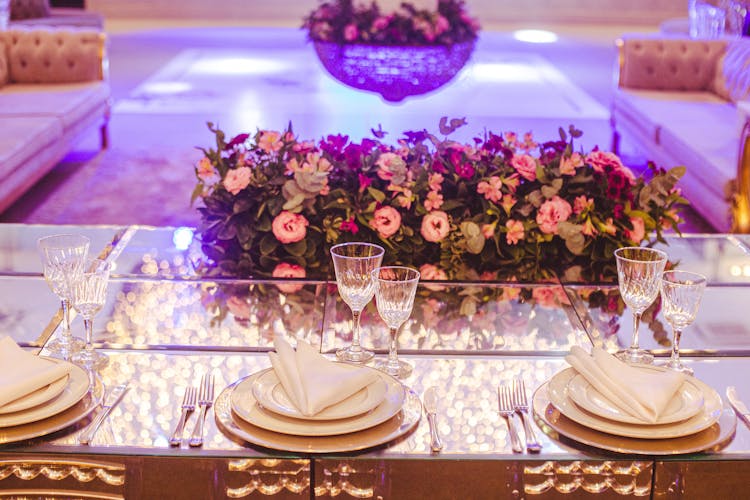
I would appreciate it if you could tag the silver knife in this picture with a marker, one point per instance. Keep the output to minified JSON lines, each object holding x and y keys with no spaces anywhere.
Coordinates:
{"x":739,"y":406}
{"x":430,"y":407}
{"x":114,"y":397}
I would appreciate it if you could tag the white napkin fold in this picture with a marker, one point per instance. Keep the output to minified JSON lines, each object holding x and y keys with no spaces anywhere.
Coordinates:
{"x":23,"y":373}
{"x":643,"y":394}
{"x":313,"y":382}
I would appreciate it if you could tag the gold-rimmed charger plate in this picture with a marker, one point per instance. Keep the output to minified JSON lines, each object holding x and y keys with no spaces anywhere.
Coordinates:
{"x":59,"y":421}
{"x":237,"y":429}
{"x":552,"y":421}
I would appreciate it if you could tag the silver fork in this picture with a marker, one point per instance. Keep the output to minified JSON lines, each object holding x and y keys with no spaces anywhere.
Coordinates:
{"x":521,"y":406}
{"x":188,"y":407}
{"x":205,"y":400}
{"x":505,"y":408}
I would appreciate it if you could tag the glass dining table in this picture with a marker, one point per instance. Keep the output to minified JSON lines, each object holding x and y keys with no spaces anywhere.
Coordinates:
{"x":164,"y":325}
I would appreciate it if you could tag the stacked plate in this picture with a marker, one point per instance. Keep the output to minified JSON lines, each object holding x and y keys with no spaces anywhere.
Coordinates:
{"x":693,"y":421}
{"x":257,"y":410}
{"x":50,"y":408}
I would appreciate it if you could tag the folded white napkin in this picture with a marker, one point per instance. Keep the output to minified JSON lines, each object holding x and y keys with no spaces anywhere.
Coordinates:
{"x":643,"y":394}
{"x":23,"y":373}
{"x":313,"y":382}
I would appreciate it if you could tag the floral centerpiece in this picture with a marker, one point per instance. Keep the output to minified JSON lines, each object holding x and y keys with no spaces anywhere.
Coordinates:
{"x":396,"y":49}
{"x":273,"y":204}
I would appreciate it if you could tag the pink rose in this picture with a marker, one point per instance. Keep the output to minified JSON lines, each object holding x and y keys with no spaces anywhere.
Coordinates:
{"x":524,"y":165}
{"x":237,"y":179}
{"x":550,"y":296}
{"x":435,"y":226}
{"x":286,"y":270}
{"x":239,"y":307}
{"x":269,"y":140}
{"x":390,"y":165}
{"x":638,"y":232}
{"x":431,"y":272}
{"x":551,"y":213}
{"x":386,"y":221}
{"x":289,"y":227}
{"x":599,"y":160}
{"x":381,"y":23}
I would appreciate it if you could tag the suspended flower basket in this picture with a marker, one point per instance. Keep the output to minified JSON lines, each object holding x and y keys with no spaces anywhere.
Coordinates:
{"x":394,"y":71}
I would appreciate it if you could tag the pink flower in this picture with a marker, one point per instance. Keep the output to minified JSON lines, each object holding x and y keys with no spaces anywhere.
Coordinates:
{"x":581,"y":204}
{"x":515,"y":231}
{"x":239,"y":307}
{"x":435,"y":226}
{"x":551,"y":213}
{"x":638,"y":232}
{"x":524,"y":165}
{"x":431,"y":272}
{"x":269,"y":140}
{"x":488,"y":276}
{"x":289,"y":227}
{"x":286,"y":270}
{"x":435,"y":182}
{"x":350,"y":32}
{"x":381,"y":23}
{"x":512,"y":182}
{"x":364,"y":181}
{"x":528,"y":141}
{"x":386,"y":221}
{"x":491,"y":189}
{"x":508,"y":203}
{"x":349,"y":225}
{"x":441,"y":25}
{"x":588,"y":228}
{"x":390,"y":164}
{"x":599,"y":160}
{"x":609,"y":227}
{"x":550,"y":296}
{"x":568,"y":165}
{"x":205,"y":169}
{"x":237,"y":179}
{"x":488,"y":231}
{"x":434,"y":201}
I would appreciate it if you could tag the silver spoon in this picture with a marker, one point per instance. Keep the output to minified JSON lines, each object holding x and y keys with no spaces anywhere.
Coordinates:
{"x":430,"y":407}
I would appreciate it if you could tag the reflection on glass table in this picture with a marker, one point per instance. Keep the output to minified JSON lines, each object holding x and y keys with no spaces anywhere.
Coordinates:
{"x":468,"y":317}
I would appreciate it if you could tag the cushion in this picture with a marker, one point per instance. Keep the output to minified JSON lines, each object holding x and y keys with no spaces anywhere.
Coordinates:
{"x":28,"y":9}
{"x":3,"y":65}
{"x":52,"y":56}
{"x":669,"y":63}
{"x":70,"y":102}
{"x":732,"y":80}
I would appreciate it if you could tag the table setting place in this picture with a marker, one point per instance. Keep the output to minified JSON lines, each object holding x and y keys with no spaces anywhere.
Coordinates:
{"x":625,"y":403}
{"x":42,"y":395}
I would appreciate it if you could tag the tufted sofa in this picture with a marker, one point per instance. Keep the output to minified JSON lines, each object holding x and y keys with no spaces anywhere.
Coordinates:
{"x":40,"y":14}
{"x":680,"y":101}
{"x":52,"y":89}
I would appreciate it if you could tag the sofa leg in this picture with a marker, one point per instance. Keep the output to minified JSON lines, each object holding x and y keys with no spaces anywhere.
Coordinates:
{"x":615,"y":142}
{"x":104,"y":135}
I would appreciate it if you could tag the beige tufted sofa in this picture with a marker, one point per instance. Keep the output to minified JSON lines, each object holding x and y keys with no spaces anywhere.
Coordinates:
{"x":680,"y":101}
{"x":52,"y":89}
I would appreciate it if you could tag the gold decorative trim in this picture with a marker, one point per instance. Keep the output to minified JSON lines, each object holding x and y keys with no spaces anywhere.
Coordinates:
{"x":591,"y":477}
{"x":620,"y":44}
{"x":103,"y":59}
{"x":741,"y":198}
{"x":54,"y":494}
{"x":83,"y":472}
{"x":268,"y":477}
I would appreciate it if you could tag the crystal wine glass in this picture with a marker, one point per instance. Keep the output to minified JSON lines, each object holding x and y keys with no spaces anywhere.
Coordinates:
{"x":353,"y":263}
{"x":63,"y":257}
{"x":639,"y":272}
{"x":88,"y":295}
{"x":395,"y":288}
{"x":681,"y":293}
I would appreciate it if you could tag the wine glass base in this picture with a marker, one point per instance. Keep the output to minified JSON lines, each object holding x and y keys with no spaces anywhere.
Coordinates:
{"x":634,"y":356}
{"x":90,"y":359}
{"x":354,"y":355}
{"x":403,"y":371}
{"x":65,"y":347}
{"x":678,"y":367}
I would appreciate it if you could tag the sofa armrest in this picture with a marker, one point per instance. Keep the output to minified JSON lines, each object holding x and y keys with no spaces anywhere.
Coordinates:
{"x":55,"y":56}
{"x":674,"y":63}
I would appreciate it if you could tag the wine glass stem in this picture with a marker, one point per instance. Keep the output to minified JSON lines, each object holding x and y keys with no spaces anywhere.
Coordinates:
{"x":66,"y":319}
{"x":675,"y":358}
{"x":88,"y":325}
{"x":636,"y":325}
{"x":356,"y":347}
{"x":393,"y":366}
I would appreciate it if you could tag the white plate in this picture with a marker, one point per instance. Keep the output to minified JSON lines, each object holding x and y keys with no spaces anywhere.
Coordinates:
{"x":269,"y":393}
{"x":37,"y":397}
{"x":558,"y":395}
{"x":391,"y":430}
{"x":559,"y":427}
{"x":244,"y":405}
{"x":75,"y":389}
{"x":687,"y":402}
